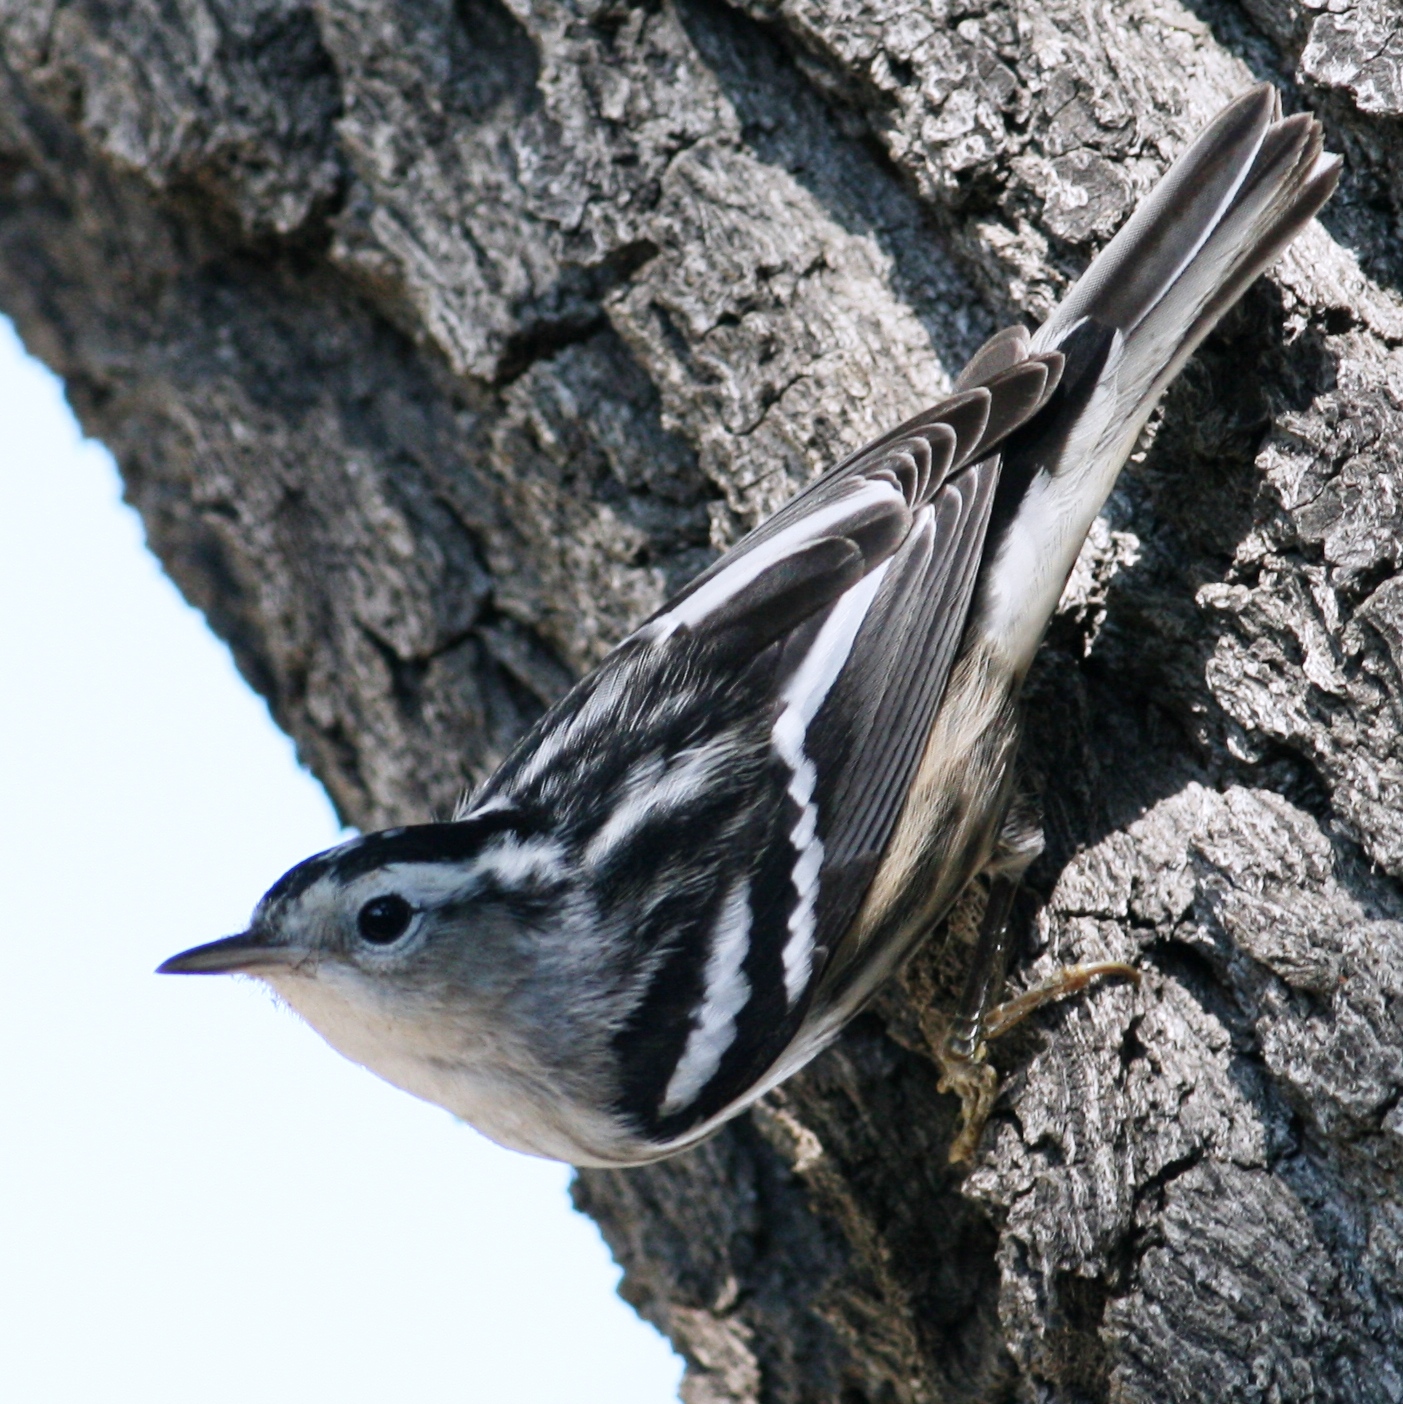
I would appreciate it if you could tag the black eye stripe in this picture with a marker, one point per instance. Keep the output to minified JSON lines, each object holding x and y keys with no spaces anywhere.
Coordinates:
{"x":383,"y":920}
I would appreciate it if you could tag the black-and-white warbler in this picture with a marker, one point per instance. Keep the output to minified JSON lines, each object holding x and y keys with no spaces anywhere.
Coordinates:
{"x":707,"y":857}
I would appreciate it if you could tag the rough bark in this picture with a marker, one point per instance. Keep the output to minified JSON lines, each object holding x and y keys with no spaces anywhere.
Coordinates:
{"x":437,"y":339}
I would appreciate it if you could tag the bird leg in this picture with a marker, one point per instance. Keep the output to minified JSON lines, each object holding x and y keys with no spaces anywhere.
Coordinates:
{"x":961,"y":1054}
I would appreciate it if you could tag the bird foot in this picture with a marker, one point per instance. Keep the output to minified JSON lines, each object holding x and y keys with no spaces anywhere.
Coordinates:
{"x":976,"y":1084}
{"x":969,"y":1077}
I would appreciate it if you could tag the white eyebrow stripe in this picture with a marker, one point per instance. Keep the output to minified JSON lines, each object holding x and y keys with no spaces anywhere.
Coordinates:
{"x":803,"y":695}
{"x":727,"y":991}
{"x":731,"y":581}
{"x":513,"y":861}
{"x":654,"y":788}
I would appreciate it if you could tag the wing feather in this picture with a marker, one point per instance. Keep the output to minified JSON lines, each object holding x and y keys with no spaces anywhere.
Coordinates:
{"x":911,"y":463}
{"x":915,"y":503}
{"x":867,"y":741}
{"x":1003,"y":350}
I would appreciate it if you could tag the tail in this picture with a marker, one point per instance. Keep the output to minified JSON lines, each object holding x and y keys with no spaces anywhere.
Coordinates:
{"x":1222,"y":214}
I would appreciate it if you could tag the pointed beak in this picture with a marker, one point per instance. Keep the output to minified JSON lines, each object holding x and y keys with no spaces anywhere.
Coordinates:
{"x":245,"y":954}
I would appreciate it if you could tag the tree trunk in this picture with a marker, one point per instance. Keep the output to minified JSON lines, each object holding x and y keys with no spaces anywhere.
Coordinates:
{"x":439,"y":339}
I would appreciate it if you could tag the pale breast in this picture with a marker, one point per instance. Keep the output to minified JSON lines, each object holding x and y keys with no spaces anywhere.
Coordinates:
{"x":486,"y":1081}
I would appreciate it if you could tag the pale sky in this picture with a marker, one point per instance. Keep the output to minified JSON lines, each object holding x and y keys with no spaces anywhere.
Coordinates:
{"x":200,"y":1201}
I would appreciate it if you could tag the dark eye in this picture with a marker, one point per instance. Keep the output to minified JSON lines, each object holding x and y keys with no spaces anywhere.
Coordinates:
{"x":383,"y":920}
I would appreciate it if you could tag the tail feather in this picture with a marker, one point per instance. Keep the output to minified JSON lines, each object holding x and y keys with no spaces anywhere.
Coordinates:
{"x":1243,"y":189}
{"x":1168,"y":227}
{"x":1295,"y":202}
{"x":1221,"y":215}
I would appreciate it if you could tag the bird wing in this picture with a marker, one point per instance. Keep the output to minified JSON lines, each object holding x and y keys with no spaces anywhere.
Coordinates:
{"x":729,"y":776}
{"x":833,"y":628}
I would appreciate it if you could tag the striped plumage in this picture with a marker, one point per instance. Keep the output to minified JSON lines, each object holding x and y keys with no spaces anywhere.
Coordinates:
{"x":703,"y":860}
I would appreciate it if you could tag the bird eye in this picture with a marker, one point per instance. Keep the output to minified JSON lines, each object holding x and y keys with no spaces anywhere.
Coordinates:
{"x":383,"y":920}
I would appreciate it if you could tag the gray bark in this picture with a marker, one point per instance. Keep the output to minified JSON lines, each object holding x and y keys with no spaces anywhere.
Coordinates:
{"x":438,"y":339}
